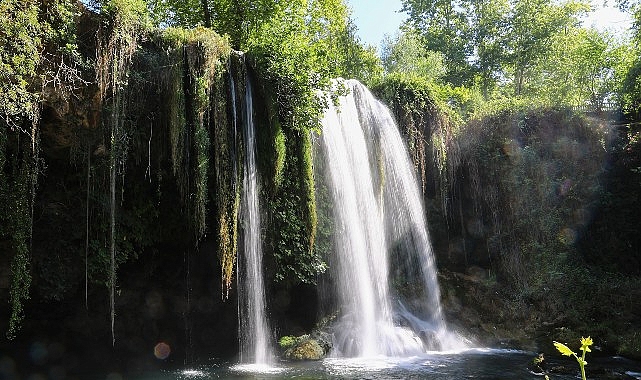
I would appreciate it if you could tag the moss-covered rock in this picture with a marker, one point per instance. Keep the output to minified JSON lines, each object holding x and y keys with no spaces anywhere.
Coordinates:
{"x":308,"y":349}
{"x":313,"y":346}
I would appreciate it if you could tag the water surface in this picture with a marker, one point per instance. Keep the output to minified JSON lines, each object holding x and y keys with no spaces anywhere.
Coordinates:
{"x":471,"y":364}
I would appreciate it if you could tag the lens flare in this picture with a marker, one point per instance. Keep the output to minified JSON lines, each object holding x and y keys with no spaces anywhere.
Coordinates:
{"x":162,"y":351}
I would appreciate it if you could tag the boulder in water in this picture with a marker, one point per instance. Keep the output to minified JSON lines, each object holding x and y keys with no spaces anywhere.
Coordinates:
{"x":307,"y":349}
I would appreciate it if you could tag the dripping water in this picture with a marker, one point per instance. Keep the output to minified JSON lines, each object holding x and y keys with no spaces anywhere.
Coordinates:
{"x":87,"y":228}
{"x":112,"y":245}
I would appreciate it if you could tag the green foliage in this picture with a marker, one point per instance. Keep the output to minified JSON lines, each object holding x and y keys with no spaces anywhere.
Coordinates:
{"x":287,"y":341}
{"x":583,"y":67}
{"x":355,"y":60}
{"x":126,"y":14}
{"x":26,"y":29}
{"x":19,"y":173}
{"x":280,"y":148}
{"x":20,"y":218}
{"x":631,"y":91}
{"x":294,"y":52}
{"x":544,"y":167}
{"x":201,"y":137}
{"x":243,"y":18}
{"x":59,"y":26}
{"x":287,"y":59}
{"x":21,"y":35}
{"x":308,"y":188}
{"x":294,"y":48}
{"x":535,"y":50}
{"x":489,"y":20}
{"x":407,"y":53}
{"x":199,"y":58}
{"x":205,"y":53}
{"x":174,"y":13}
{"x":407,"y":61}
{"x":446,"y":29}
{"x":631,"y":88}
{"x":324,"y":24}
{"x":291,"y":223}
{"x":532,"y":28}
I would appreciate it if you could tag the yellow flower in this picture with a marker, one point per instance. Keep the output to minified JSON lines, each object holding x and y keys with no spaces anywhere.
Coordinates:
{"x":563,"y":349}
{"x":586,"y":343}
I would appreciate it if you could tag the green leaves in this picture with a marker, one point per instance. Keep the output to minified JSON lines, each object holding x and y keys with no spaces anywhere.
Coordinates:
{"x":447,"y":29}
{"x":518,"y":48}
{"x":20,"y":45}
{"x":407,"y":53}
{"x":563,"y":349}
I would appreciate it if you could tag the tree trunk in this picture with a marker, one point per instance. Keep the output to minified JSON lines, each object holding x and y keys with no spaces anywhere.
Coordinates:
{"x":519,"y":81}
{"x":206,"y":14}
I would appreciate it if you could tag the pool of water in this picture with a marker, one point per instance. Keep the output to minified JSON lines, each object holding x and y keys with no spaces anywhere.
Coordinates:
{"x":470,"y":364}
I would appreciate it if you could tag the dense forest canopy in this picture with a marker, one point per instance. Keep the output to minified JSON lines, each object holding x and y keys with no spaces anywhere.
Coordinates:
{"x":453,"y":63}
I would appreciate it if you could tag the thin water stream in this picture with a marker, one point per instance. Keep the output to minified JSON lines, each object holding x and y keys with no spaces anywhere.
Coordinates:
{"x":254,"y":331}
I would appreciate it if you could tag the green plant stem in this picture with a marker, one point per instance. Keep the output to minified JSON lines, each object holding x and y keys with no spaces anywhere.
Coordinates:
{"x":581,"y":365}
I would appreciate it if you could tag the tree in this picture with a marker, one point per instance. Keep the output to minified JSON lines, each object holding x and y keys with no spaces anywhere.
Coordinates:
{"x":584,"y":66}
{"x":532,"y":27}
{"x":406,"y":53}
{"x":185,"y":13}
{"x":487,"y":42}
{"x":21,"y":34}
{"x":631,"y":88}
{"x":446,"y":28}
{"x":491,"y":21}
{"x":325,"y":25}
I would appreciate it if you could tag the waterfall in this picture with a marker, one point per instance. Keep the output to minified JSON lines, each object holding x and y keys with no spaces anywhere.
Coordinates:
{"x":380,"y":222}
{"x":254,"y":332}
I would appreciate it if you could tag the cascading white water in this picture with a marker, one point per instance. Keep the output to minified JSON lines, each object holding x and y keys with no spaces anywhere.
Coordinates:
{"x":377,"y":207}
{"x":254,"y":331}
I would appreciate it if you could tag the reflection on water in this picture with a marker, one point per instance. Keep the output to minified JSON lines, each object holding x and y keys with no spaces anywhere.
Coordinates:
{"x":471,"y":364}
{"x":257,"y":368}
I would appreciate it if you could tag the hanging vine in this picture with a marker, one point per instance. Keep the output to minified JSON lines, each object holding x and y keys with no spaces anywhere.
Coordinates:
{"x":117,"y":43}
{"x":428,"y":131}
{"x":199,"y":128}
{"x":21,"y":41}
{"x":228,"y":158}
{"x":309,"y":196}
{"x":18,"y":185}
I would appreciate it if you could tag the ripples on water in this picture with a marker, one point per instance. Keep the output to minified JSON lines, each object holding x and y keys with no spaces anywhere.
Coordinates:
{"x":471,"y":364}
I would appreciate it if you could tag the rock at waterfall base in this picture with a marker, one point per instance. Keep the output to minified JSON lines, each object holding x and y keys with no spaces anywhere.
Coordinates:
{"x":308,"y":349}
